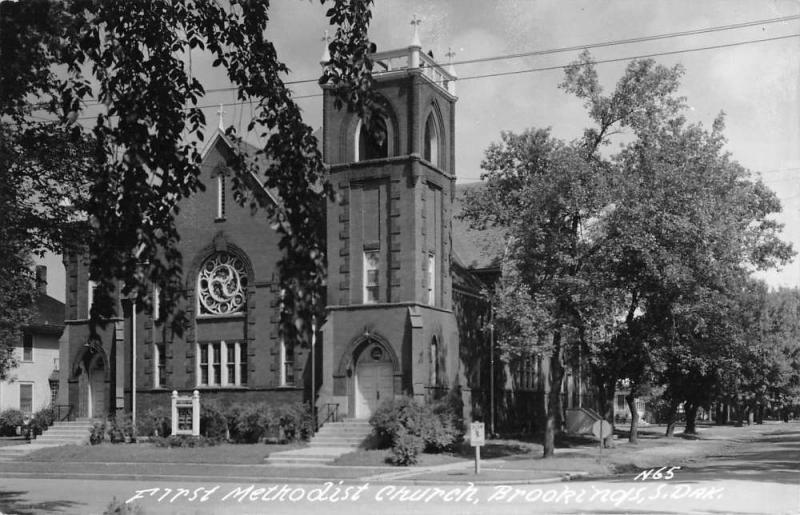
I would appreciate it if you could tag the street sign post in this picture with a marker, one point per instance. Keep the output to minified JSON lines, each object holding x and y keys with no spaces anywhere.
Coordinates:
{"x":477,"y":438}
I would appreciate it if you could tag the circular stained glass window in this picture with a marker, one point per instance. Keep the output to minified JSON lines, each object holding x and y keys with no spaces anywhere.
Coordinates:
{"x":376,"y":353}
{"x":221,"y":285}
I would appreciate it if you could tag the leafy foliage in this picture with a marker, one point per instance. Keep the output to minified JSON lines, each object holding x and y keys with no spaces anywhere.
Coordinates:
{"x":10,"y":419}
{"x":410,"y":428}
{"x":154,"y":422}
{"x":145,"y":146}
{"x":630,"y":261}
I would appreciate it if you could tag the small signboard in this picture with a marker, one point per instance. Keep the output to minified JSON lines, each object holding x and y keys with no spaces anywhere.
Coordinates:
{"x":477,"y":435}
{"x":186,"y":414}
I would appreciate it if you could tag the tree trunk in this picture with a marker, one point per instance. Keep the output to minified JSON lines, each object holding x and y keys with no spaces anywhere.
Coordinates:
{"x":554,"y":397}
{"x":760,"y":415}
{"x":634,"y":436}
{"x":671,"y":418}
{"x":691,"y":417}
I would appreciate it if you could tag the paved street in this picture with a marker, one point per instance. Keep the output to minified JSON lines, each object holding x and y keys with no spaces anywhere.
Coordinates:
{"x":762,"y":477}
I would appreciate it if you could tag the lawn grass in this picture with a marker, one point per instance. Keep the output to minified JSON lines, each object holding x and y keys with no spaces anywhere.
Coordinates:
{"x":6,"y":441}
{"x":492,"y":449}
{"x":223,"y":454}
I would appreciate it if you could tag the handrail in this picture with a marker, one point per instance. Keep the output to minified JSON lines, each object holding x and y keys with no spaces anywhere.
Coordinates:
{"x":64,"y":412}
{"x":332,"y":412}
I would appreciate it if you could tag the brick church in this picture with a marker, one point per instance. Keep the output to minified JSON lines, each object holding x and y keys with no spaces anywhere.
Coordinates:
{"x":403,"y":310}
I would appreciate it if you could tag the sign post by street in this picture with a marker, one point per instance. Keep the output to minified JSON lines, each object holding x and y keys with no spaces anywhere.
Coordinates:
{"x":477,"y":438}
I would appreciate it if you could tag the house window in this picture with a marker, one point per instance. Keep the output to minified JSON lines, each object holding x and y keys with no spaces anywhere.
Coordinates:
{"x":221,"y":285}
{"x":431,"y":150}
{"x":374,"y":144}
{"x":219,"y":362}
{"x":220,"y":196}
{"x":53,"y":392}
{"x":160,"y":360}
{"x":26,"y":398}
{"x":371,"y":276}
{"x":431,"y":279}
{"x":27,"y":347}
{"x":287,"y":363}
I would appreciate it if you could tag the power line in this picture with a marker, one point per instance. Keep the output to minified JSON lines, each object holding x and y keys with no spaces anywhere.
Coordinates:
{"x":618,"y":59}
{"x":631,"y":40}
{"x":576,"y":47}
{"x":546,"y":68}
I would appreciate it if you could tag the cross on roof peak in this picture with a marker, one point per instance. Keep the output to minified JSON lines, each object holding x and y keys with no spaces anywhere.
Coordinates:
{"x":221,"y":113}
{"x":415,"y":21}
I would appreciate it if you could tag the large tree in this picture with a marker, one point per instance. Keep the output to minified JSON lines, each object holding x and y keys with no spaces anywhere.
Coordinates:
{"x":625,"y":256}
{"x":144,"y":157}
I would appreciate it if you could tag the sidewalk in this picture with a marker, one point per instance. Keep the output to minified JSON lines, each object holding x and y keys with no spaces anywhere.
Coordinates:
{"x":586,"y":461}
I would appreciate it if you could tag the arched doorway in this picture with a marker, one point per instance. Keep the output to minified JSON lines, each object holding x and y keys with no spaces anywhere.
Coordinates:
{"x":92,"y":386}
{"x":97,"y":387}
{"x":374,"y":379}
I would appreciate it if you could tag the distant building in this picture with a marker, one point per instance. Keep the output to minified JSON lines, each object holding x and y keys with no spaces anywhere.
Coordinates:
{"x":34,"y":383}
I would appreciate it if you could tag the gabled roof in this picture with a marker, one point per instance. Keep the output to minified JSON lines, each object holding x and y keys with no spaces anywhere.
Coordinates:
{"x":248,"y":149}
{"x":48,"y":316}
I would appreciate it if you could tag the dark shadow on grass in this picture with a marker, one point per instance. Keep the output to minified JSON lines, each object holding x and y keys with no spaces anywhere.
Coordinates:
{"x":14,"y":502}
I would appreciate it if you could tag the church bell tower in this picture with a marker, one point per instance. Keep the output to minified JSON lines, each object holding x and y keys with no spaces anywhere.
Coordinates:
{"x":390,"y":328}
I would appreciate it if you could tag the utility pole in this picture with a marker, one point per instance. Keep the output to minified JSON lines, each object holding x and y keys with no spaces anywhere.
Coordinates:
{"x":313,"y":370}
{"x":491,"y":369}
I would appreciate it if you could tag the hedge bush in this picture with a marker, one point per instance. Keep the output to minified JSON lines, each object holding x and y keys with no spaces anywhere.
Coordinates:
{"x":295,"y":421}
{"x":154,"y":422}
{"x":97,"y":433}
{"x":184,"y":441}
{"x":119,"y":427}
{"x":406,"y":448}
{"x":410,"y":428}
{"x":213,"y":423}
{"x":9,"y":420}
{"x":43,"y":419}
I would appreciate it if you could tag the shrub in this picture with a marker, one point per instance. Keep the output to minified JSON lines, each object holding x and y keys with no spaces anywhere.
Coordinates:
{"x":409,"y":427}
{"x":394,"y":415}
{"x":213,"y":423}
{"x":119,"y":427}
{"x":154,"y":422}
{"x":97,"y":433}
{"x":43,"y":419}
{"x":439,"y":433}
{"x":295,"y":420}
{"x":9,"y":420}
{"x":184,"y":441}
{"x":406,"y":448}
{"x":247,"y":423}
{"x":116,"y":507}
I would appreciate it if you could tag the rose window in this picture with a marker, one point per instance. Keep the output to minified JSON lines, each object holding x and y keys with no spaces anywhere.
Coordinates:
{"x":221,"y":285}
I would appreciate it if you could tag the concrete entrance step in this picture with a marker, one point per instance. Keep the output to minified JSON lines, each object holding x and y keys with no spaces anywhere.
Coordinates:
{"x":307,"y":456}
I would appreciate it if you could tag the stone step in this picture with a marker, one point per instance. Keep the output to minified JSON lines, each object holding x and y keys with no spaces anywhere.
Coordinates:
{"x":308,"y":455}
{"x":331,"y":439}
{"x":67,"y":430}
{"x":63,"y":441}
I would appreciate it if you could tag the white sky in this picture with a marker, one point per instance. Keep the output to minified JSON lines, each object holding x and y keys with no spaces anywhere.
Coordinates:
{"x":756,"y":84}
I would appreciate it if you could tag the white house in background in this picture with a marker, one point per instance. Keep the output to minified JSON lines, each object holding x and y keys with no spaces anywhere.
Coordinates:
{"x":34,"y":383}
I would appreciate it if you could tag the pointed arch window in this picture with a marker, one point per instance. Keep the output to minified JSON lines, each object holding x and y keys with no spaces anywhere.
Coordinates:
{"x":372,"y":144}
{"x":431,"y":150}
{"x":434,"y":362}
{"x":221,"y":196}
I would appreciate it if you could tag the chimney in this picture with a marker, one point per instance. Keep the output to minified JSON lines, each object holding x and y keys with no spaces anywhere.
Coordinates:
{"x":41,"y":279}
